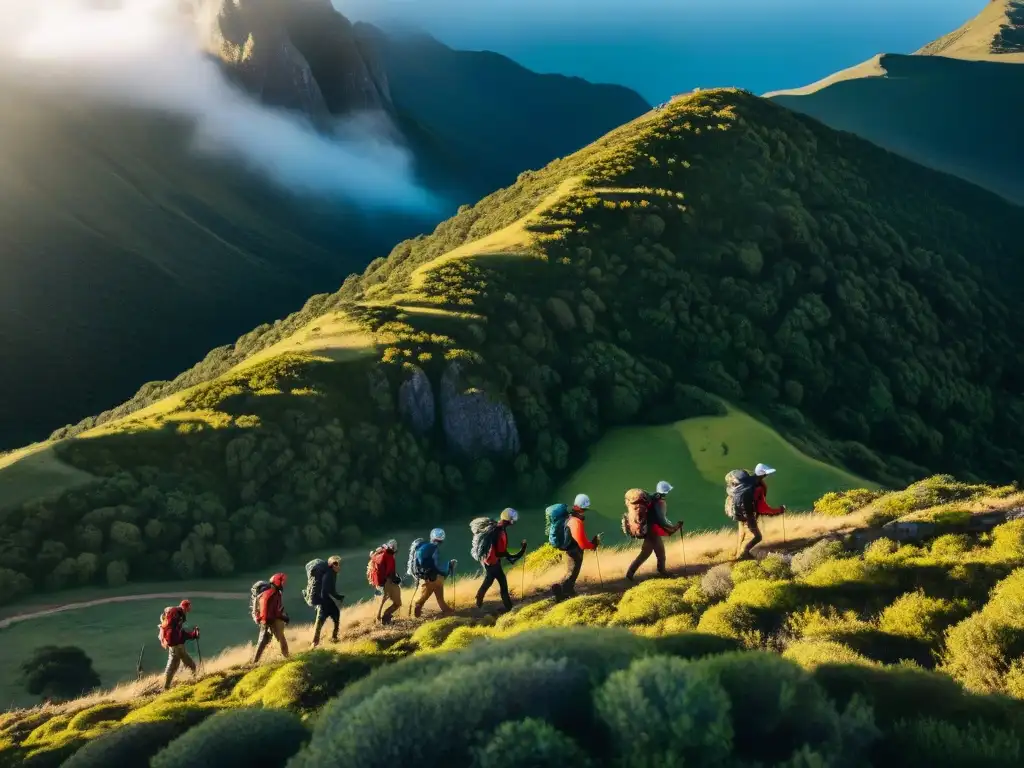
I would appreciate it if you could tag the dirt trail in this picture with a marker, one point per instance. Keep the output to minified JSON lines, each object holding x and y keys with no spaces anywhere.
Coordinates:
{"x":5,"y":623}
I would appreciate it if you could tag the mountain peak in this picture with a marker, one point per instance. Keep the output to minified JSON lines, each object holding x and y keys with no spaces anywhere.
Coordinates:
{"x":997,"y":33}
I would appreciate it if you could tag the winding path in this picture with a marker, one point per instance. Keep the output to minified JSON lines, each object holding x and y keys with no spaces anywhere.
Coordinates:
{"x":5,"y":623}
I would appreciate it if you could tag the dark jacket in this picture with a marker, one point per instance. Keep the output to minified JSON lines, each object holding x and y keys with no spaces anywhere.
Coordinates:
{"x":328,"y":588}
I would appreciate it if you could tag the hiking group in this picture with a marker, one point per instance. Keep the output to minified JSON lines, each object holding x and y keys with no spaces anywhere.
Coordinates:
{"x":645,"y":520}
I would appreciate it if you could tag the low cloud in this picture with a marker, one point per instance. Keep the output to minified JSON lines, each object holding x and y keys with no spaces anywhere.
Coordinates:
{"x":147,"y":54}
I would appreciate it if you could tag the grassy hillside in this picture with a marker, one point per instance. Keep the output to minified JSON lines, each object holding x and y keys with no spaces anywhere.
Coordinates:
{"x":954,"y":106}
{"x":859,"y":303}
{"x":881,"y":654}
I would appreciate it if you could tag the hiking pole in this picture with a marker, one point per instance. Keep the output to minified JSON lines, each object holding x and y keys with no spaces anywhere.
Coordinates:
{"x":682,"y":543}
{"x":199,"y":653}
{"x":415,"y":591}
{"x":783,"y":525}
{"x":138,"y":667}
{"x":522,"y":586}
{"x":599,"y":576}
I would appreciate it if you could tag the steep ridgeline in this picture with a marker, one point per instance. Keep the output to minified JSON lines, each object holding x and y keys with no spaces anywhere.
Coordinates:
{"x":124,"y":257}
{"x":723,"y":244}
{"x":956,"y":105}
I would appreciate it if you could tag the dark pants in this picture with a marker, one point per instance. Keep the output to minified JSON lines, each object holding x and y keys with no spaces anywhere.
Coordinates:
{"x":494,"y":573}
{"x":652,"y":543}
{"x":743,"y":528}
{"x":326,"y":610}
{"x":573,"y":563}
{"x":272,"y":631}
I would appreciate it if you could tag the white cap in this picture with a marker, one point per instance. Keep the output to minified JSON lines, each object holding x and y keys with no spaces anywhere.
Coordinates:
{"x":437,"y":534}
{"x":763,"y":469}
{"x":663,"y":487}
{"x":582,"y":501}
{"x":392,"y":544}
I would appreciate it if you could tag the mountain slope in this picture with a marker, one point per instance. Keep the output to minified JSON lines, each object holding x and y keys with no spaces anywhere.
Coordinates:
{"x":124,"y":256}
{"x":955,"y":106}
{"x":859,"y":302}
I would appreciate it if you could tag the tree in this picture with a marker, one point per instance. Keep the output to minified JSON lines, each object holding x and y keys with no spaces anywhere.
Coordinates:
{"x":59,"y":672}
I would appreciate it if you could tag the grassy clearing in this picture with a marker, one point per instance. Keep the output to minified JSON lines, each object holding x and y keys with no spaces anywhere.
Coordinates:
{"x":695,"y":455}
{"x":35,"y":472}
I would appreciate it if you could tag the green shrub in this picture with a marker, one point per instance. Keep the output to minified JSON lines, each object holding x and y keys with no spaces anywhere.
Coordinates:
{"x":839,"y":503}
{"x":1008,"y":541}
{"x":651,"y":601}
{"x":591,"y":610}
{"x":529,"y":742}
{"x":463,"y":637}
{"x":926,"y":742}
{"x":693,"y":711}
{"x":107,"y":711}
{"x":930,"y":492}
{"x":185,"y":714}
{"x":778,"y":596}
{"x":730,"y":620}
{"x":308,"y":681}
{"x":918,"y":616}
{"x":807,"y":560}
{"x":521,"y":615}
{"x":128,"y":745}
{"x":694,"y":645}
{"x":265,"y":737}
{"x":542,"y":559}
{"x":431,"y":634}
{"x":814,"y":652}
{"x":951,"y":545}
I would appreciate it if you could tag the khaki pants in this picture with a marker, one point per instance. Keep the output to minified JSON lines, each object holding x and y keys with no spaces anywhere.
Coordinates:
{"x":176,"y":656}
{"x":273,"y":630}
{"x":652,"y":544}
{"x":392,"y":595}
{"x":423,"y":592}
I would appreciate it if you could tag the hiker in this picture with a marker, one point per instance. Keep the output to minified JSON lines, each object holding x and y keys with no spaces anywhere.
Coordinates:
{"x":647,"y":516}
{"x":571,"y":538}
{"x":172,"y":636}
{"x":490,"y":545}
{"x":382,"y":574}
{"x":746,"y":500}
{"x":426,"y":568}
{"x":271,"y":616}
{"x":325,"y":598}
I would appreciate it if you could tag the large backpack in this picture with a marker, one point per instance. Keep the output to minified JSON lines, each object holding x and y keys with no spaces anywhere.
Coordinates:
{"x":315,"y":570}
{"x":634,"y":520}
{"x":739,"y":495}
{"x":484,"y":531}
{"x":171,"y":618}
{"x":255,"y":591}
{"x":375,"y":569}
{"x":423,"y":561}
{"x":556,"y":518}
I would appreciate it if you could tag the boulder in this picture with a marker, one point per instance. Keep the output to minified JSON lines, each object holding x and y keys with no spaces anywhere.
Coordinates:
{"x":474,"y":423}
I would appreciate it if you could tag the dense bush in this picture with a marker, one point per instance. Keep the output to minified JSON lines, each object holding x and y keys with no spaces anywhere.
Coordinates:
{"x":132,"y":744}
{"x":265,"y":737}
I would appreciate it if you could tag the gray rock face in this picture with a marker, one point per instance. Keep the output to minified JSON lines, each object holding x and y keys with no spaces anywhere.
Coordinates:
{"x":473,"y":422}
{"x":416,"y":402}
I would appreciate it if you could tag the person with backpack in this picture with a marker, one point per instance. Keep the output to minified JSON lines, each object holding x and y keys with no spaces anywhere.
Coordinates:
{"x":426,"y":568}
{"x":646,"y":518}
{"x":325,"y":598}
{"x":382,"y":573}
{"x":490,"y":545}
{"x":271,"y":616}
{"x":173,"y":635}
{"x":571,"y":537}
{"x":746,"y":499}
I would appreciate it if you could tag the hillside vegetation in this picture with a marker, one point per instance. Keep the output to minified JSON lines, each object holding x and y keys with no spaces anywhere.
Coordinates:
{"x":862,"y":304}
{"x":956,"y":105}
{"x":835,"y":654}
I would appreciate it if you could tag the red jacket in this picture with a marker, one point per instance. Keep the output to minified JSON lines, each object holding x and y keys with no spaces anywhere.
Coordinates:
{"x":761,"y":502}
{"x":387,"y":562}
{"x":499,"y":548}
{"x":174,"y":632}
{"x":271,"y":606}
{"x":578,"y":529}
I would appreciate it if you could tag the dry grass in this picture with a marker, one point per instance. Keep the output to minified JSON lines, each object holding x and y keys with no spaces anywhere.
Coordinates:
{"x":974,"y":40}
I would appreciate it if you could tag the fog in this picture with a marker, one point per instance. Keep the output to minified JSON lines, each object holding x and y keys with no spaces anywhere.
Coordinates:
{"x":147,"y":54}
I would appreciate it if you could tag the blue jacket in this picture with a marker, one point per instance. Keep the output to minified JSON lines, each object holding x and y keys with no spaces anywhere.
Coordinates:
{"x":441,"y":568}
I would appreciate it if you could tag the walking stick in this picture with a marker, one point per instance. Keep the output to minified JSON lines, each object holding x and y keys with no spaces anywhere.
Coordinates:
{"x":455,"y":583}
{"x":522,"y":587}
{"x":199,"y":652}
{"x":415,"y":591}
{"x":783,"y":524}
{"x":682,"y":543}
{"x":138,"y":668}
{"x":599,"y":576}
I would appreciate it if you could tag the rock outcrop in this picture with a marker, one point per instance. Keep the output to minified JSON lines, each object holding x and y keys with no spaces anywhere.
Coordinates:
{"x":416,"y":401}
{"x":473,"y":422}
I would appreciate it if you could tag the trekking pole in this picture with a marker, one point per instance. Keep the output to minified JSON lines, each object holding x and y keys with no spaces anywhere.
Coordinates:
{"x":682,"y":543}
{"x":138,"y":667}
{"x":415,"y":591}
{"x":783,"y":525}
{"x":199,"y":653}
{"x":522,"y":587}
{"x":599,"y":576}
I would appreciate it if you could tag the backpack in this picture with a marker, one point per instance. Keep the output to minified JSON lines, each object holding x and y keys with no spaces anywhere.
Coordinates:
{"x":739,"y":495}
{"x":171,"y":619}
{"x":255,"y":591}
{"x":556,"y":518}
{"x":375,"y":574}
{"x":315,"y":570}
{"x":484,"y":532}
{"x":634,"y":520}
{"x":423,"y":561}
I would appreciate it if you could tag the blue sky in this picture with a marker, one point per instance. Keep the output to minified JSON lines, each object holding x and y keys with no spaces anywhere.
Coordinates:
{"x":661,"y":47}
